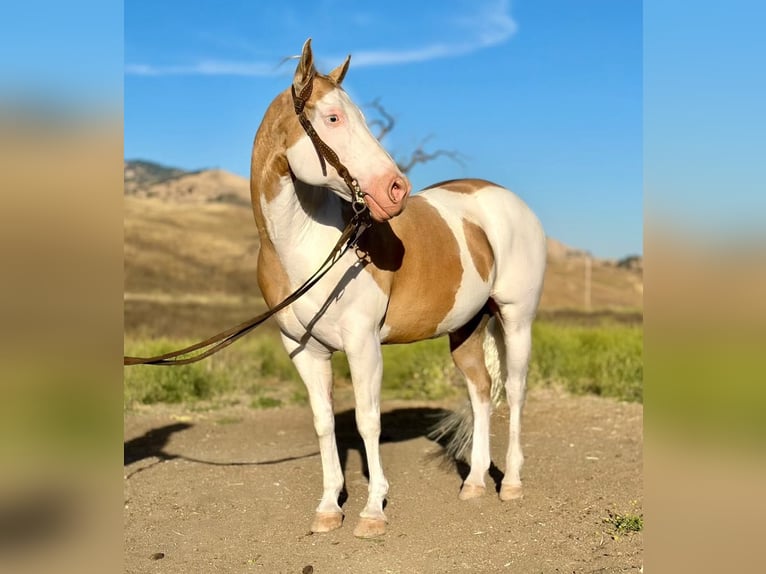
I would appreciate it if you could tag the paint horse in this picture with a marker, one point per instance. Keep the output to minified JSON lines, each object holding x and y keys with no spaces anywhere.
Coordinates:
{"x":461,"y":253}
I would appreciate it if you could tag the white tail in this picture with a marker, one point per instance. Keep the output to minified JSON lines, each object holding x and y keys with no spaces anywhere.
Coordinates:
{"x":457,"y":427}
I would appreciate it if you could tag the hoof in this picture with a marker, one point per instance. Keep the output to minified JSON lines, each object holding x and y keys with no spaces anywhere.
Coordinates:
{"x":511,"y":492}
{"x":370,"y":528}
{"x":326,"y":521}
{"x":470,"y":491}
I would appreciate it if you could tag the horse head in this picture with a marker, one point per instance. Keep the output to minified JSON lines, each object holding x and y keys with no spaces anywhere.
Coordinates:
{"x":343,"y":140}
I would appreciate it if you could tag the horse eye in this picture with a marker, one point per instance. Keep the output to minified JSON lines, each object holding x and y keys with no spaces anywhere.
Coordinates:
{"x":333,"y":119}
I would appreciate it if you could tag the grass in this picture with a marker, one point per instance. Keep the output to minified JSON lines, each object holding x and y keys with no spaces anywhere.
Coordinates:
{"x":169,"y":384}
{"x":603,"y":359}
{"x":625,"y":523}
{"x":258,"y":367}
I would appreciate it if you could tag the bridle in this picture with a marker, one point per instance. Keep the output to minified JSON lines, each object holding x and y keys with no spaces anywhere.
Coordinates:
{"x":349,"y":238}
{"x":325,"y":152}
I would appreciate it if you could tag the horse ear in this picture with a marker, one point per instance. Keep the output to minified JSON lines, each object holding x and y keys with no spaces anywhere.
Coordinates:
{"x":305,"y":70}
{"x":340,"y":72}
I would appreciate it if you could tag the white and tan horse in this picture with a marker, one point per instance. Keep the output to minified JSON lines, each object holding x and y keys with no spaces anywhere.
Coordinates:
{"x":443,"y":262}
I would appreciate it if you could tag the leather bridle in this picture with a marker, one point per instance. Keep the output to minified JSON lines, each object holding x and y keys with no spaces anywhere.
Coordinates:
{"x":325,"y":152}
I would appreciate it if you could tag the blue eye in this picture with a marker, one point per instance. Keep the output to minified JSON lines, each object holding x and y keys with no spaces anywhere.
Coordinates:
{"x":333,"y":119}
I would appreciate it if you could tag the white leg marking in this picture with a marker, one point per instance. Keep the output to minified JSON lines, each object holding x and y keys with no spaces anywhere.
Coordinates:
{"x":480,"y":457}
{"x":366,"y":363}
{"x":316,"y":371}
{"x":518,"y":344}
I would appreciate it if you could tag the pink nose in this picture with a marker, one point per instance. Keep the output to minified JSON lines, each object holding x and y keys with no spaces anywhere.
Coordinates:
{"x":398,"y":189}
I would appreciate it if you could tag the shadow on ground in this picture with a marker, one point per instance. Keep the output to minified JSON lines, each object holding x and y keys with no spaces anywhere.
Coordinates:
{"x":397,"y":425}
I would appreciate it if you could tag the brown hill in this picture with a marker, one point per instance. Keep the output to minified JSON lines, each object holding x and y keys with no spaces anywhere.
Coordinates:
{"x":147,"y":180}
{"x":190,"y":247}
{"x":616,"y":285}
{"x":141,"y":174}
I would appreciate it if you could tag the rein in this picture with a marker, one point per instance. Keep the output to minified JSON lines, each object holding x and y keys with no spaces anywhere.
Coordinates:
{"x":348,"y":239}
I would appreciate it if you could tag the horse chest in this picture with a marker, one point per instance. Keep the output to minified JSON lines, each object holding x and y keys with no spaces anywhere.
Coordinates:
{"x":344,"y":303}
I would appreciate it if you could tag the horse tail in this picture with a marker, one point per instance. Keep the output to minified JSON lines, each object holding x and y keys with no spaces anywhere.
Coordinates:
{"x":455,"y":431}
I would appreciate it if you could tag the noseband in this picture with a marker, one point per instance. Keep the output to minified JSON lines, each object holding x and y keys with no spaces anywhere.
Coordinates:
{"x":325,"y":152}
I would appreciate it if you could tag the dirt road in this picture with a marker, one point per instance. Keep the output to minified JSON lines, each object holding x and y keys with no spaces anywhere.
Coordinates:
{"x":234,"y":490}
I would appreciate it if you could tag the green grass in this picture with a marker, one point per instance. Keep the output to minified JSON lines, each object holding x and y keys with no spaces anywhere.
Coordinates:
{"x":168,"y":384}
{"x":257,"y":367}
{"x":625,"y":523}
{"x":603,"y":359}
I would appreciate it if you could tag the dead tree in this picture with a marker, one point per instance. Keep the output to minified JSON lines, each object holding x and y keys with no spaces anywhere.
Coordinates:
{"x":385,"y":122}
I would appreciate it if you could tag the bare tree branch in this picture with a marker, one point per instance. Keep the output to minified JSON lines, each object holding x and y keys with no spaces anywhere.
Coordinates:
{"x":386,"y":122}
{"x":420,"y":155}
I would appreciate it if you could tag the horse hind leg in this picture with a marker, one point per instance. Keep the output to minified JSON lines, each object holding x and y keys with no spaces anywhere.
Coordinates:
{"x":466,"y":346}
{"x":517,"y":336}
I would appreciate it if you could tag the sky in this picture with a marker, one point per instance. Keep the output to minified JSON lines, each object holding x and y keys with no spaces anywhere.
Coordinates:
{"x":705,"y":120}
{"x":541,"y":96}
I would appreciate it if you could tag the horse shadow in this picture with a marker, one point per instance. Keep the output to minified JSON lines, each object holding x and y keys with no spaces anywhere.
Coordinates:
{"x":397,"y":425}
{"x":152,"y":444}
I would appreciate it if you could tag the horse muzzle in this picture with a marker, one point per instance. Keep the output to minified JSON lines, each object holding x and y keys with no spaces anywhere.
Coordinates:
{"x":387,"y":196}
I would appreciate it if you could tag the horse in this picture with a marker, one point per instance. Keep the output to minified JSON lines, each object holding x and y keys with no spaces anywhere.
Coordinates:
{"x":464,"y":258}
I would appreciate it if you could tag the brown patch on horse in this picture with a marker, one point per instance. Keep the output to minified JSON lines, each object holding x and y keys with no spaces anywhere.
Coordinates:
{"x":415,"y":260}
{"x":272,"y":277}
{"x":468,"y":185}
{"x":480,"y":249}
{"x":268,"y":162}
{"x":467,"y":348}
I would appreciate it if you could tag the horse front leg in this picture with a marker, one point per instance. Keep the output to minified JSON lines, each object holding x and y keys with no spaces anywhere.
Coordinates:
{"x":366,"y":363}
{"x":315,"y":369}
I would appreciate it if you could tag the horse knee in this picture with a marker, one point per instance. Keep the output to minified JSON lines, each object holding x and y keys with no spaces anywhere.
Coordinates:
{"x":324,"y":425}
{"x":515,"y":389}
{"x":368,"y":425}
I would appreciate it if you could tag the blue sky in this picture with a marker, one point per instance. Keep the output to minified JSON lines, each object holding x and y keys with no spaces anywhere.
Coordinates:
{"x":543,"y":96}
{"x":705,"y":119}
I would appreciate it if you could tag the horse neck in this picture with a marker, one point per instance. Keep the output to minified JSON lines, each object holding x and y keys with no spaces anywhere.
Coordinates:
{"x":301,"y":214}
{"x":298,"y":223}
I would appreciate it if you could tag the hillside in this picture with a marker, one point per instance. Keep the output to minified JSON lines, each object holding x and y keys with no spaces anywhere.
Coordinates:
{"x":149,"y":180}
{"x":613,"y":284}
{"x":190,"y":247}
{"x":140,"y":174}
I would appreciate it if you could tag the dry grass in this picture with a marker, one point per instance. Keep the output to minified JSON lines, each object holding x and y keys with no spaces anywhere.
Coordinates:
{"x":612,"y":287}
{"x":189,"y":249}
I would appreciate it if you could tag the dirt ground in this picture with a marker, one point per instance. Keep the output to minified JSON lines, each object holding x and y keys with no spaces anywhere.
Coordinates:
{"x":234,"y":490}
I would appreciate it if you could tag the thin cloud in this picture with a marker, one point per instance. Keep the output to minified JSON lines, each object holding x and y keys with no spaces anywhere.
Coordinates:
{"x":490,"y":24}
{"x":205,"y":68}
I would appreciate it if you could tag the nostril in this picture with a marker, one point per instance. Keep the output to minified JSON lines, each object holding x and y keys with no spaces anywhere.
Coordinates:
{"x":397,"y":190}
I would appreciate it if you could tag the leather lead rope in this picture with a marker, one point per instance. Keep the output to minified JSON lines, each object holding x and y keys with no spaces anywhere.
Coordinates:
{"x":348,"y":239}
